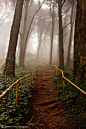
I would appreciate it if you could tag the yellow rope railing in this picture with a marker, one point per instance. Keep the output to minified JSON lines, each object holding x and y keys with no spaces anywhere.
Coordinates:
{"x":17,"y":82}
{"x":64,"y":78}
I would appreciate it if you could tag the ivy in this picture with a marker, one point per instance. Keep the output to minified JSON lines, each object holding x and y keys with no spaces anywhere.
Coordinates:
{"x":74,"y":100}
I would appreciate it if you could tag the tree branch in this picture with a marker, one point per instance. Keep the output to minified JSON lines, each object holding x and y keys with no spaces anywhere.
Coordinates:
{"x":63,"y":3}
{"x":65,"y":35}
{"x":66,"y":25}
{"x":31,"y":22}
{"x":66,"y":11}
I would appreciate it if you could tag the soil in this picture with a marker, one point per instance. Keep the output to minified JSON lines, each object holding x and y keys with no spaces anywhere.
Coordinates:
{"x":45,"y":110}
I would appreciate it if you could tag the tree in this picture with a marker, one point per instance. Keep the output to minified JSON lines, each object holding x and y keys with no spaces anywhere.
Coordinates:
{"x":23,"y":35}
{"x":80,"y":41}
{"x":52,"y":34}
{"x":61,"y":50}
{"x":25,"y":41}
{"x":41,"y":29}
{"x":43,"y":43}
{"x":70,"y":37}
{"x":10,"y":60}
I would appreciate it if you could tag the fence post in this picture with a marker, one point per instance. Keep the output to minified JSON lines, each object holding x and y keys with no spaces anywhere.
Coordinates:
{"x":56,"y":71}
{"x":33,"y":73}
{"x":36,"y":70}
{"x":63,"y":81}
{"x":31,"y":78}
{"x":17,"y":89}
{"x":39,"y":68}
{"x":63,"y":84}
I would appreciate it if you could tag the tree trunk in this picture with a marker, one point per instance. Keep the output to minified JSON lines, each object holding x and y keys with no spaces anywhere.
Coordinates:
{"x":52,"y":33}
{"x":21,"y":49}
{"x":43,"y":43}
{"x":40,"y":32}
{"x":10,"y":60}
{"x":23,"y":36}
{"x":61,"y":51}
{"x":65,"y":40}
{"x":79,"y":42}
{"x":58,"y":54}
{"x":39,"y":44}
{"x":37,"y":56}
{"x":26,"y":37}
{"x":70,"y":38}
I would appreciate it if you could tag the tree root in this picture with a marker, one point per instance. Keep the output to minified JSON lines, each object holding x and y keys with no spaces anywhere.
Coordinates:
{"x":46,"y":103}
{"x":30,"y":121}
{"x":58,"y":112}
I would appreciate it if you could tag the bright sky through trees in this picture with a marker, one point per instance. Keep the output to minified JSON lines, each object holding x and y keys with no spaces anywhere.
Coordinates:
{"x":44,"y":6}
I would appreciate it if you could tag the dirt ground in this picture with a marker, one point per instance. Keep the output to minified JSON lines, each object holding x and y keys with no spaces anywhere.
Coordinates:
{"x":44,"y":108}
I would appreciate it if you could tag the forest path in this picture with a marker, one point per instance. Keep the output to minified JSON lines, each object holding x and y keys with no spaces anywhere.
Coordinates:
{"x":45,"y":109}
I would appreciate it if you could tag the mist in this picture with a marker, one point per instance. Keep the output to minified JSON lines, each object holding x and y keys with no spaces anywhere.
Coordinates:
{"x":36,"y":27}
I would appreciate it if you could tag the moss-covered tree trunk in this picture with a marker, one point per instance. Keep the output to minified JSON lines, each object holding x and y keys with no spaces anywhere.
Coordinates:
{"x":79,"y":41}
{"x":10,"y":60}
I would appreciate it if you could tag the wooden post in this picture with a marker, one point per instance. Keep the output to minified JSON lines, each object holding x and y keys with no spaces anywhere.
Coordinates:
{"x":17,"y":89}
{"x":56,"y":71}
{"x":36,"y":70}
{"x":40,"y":68}
{"x":63,"y":81}
{"x":31,"y":78}
{"x":33,"y":73}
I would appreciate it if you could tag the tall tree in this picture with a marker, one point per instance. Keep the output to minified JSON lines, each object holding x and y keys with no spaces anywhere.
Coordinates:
{"x":61,"y":50}
{"x":23,"y":35}
{"x":80,"y":41}
{"x":10,"y":60}
{"x":52,"y":34}
{"x":41,"y":29}
{"x":24,"y":45}
{"x":71,"y":33}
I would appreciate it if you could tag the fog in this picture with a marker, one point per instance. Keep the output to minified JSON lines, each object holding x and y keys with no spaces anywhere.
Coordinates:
{"x":39,"y":36}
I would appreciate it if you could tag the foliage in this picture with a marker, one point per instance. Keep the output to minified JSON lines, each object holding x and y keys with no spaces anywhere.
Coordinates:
{"x":9,"y":113}
{"x":74,"y":100}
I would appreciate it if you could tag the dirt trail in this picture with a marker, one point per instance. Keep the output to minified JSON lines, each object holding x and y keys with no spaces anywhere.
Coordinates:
{"x":45,"y":108}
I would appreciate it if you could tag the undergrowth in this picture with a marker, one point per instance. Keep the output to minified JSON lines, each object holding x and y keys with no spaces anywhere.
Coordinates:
{"x":74,"y":100}
{"x":10,"y":114}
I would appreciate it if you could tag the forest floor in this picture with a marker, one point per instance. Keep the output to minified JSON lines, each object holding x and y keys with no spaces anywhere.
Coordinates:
{"x":44,"y":108}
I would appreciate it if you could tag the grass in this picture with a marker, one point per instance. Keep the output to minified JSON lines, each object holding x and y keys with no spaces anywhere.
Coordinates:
{"x":74,"y":100}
